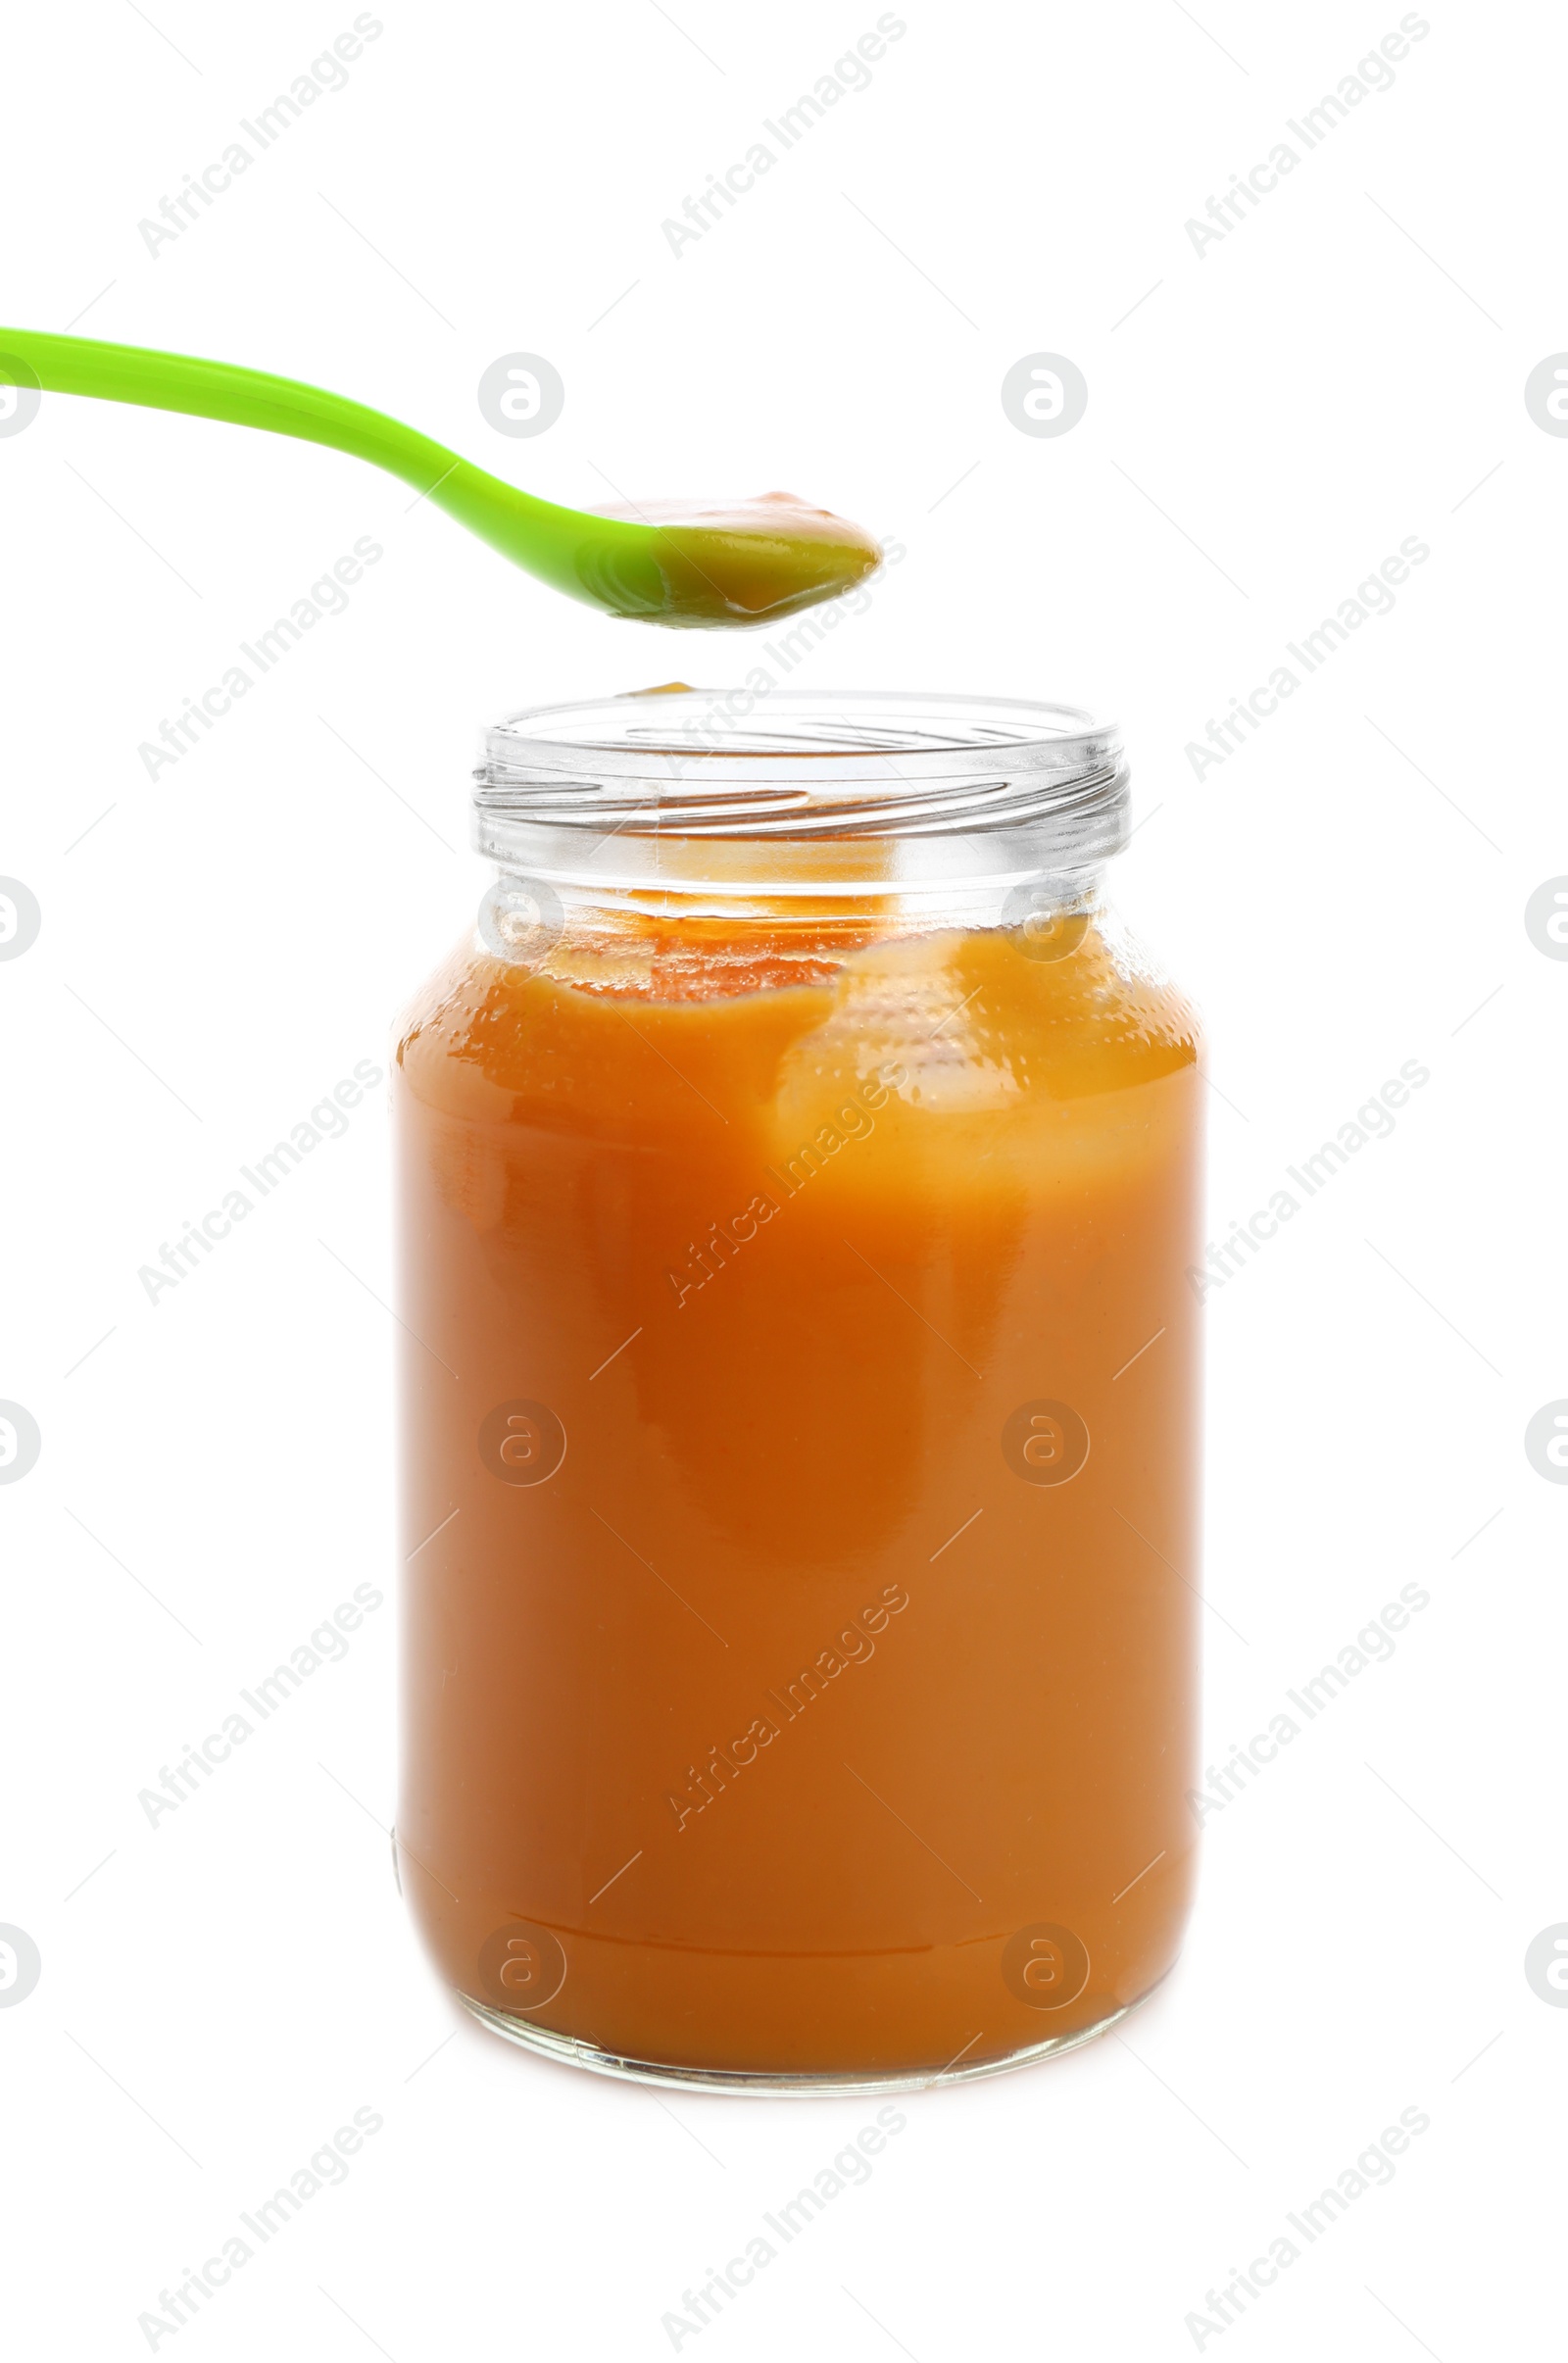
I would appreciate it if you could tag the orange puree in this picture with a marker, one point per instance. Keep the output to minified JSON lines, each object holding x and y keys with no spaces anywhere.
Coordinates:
{"x":771,"y":1708}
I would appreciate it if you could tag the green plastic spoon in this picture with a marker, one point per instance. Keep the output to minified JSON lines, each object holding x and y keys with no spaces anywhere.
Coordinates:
{"x":688,"y":564}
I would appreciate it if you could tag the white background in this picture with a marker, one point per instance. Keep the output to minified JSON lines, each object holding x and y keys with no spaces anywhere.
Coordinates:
{"x":1266,"y":422}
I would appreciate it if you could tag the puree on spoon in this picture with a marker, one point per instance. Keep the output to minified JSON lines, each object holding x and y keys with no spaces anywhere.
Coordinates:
{"x":759,"y":559}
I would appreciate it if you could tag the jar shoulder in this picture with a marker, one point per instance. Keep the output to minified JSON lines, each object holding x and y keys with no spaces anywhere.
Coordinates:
{"x":967,"y":1019}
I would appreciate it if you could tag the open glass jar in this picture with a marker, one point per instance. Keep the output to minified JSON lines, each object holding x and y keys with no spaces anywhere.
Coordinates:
{"x":797,"y":1172}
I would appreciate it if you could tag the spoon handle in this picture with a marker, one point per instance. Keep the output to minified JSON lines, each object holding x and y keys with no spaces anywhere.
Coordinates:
{"x":571,"y":548}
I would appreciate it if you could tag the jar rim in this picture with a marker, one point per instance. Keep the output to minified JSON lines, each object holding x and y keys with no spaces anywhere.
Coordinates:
{"x":707,"y":762}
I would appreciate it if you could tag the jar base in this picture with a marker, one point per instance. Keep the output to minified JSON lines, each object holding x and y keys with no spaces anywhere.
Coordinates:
{"x":571,"y":2050}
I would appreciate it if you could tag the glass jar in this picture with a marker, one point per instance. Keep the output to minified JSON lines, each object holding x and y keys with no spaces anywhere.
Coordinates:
{"x":799,"y":1170}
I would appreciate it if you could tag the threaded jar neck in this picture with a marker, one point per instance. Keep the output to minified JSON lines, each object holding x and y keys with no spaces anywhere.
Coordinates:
{"x":800,"y":791}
